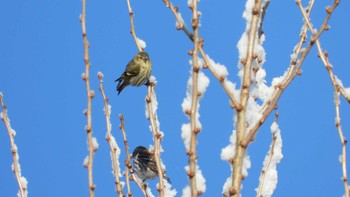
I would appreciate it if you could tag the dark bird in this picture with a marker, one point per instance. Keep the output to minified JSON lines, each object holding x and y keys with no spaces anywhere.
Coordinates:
{"x":145,"y":165}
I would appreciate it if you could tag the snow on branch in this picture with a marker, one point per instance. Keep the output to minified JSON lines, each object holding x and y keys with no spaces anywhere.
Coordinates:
{"x":196,"y":88}
{"x":16,"y":167}
{"x":269,"y":175}
{"x":114,"y":148}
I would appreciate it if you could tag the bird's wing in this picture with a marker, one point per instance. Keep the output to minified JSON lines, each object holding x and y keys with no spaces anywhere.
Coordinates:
{"x":144,"y":161}
{"x":132,"y":69}
{"x":153,"y":166}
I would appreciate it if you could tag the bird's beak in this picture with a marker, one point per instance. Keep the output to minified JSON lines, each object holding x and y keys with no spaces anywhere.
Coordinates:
{"x":145,"y":60}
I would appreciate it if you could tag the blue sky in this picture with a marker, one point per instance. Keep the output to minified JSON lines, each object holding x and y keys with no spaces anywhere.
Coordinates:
{"x":41,"y":61}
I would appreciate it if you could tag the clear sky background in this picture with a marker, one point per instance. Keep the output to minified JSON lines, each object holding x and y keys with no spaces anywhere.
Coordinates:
{"x":41,"y":61}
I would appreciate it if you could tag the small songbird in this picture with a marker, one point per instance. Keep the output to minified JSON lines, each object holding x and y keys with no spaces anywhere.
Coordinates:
{"x":136,"y":73}
{"x":145,"y":165}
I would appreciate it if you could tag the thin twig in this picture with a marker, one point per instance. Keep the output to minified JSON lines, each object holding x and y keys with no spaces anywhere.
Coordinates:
{"x":110,"y":139}
{"x":241,"y":115}
{"x":127,"y":161}
{"x":291,"y":69}
{"x":182,"y":26}
{"x":90,"y":95}
{"x":325,"y":60}
{"x":267,"y":164}
{"x":318,"y":44}
{"x":235,"y":104}
{"x":157,"y":136}
{"x":14,"y":149}
{"x":337,"y":122}
{"x":180,"y":23}
{"x":132,"y":29}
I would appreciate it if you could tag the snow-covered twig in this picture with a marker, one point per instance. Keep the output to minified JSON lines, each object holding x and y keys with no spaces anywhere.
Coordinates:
{"x":157,"y":135}
{"x":268,"y":177}
{"x":290,"y":74}
{"x":90,"y":94}
{"x":193,"y":111}
{"x":115,"y":150}
{"x":254,"y":10}
{"x":180,"y":25}
{"x":21,"y":180}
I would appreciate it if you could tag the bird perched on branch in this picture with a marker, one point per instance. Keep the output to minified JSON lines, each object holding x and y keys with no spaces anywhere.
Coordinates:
{"x":145,"y":165}
{"x":136,"y":73}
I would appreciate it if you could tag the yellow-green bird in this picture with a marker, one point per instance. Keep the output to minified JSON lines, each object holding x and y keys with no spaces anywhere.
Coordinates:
{"x":136,"y":73}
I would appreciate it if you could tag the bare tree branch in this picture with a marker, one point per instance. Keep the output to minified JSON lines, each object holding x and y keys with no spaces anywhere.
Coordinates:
{"x":132,"y":29}
{"x":337,"y":88}
{"x":127,"y":161}
{"x":110,"y":139}
{"x":324,"y":56}
{"x":157,"y":136}
{"x":14,"y":150}
{"x":90,"y":95}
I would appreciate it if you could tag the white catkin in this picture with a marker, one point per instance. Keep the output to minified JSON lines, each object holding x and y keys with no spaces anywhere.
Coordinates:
{"x":86,"y":162}
{"x":94,"y":143}
{"x":142,"y":43}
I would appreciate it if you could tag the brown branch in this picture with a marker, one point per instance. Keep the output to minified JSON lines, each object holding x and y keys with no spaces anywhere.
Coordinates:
{"x":127,"y":161}
{"x":90,"y":95}
{"x":110,"y":139}
{"x":180,"y":23}
{"x":337,"y":89}
{"x":181,"y":26}
{"x":318,"y":44}
{"x":14,"y":150}
{"x":241,"y":119}
{"x":293,"y":71}
{"x":222,"y":80}
{"x":324,"y":56}
{"x":267,"y":164}
{"x":193,"y":112}
{"x":157,"y":136}
{"x":132,"y":29}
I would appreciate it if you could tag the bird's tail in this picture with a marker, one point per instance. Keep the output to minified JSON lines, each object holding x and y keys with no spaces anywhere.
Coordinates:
{"x":167,"y":178}
{"x":121,"y":85}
